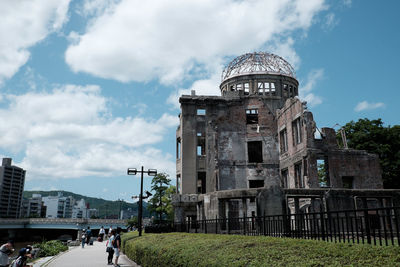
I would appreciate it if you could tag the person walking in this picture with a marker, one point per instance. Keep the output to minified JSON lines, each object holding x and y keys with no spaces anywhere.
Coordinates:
{"x":88,"y":235}
{"x":109,"y":231}
{"x":83,"y":237}
{"x":6,"y":250}
{"x":101,"y":234}
{"x":117,"y":246}
{"x":110,"y":247}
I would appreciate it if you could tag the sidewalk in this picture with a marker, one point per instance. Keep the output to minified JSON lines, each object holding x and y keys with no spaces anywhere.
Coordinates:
{"x":89,"y":256}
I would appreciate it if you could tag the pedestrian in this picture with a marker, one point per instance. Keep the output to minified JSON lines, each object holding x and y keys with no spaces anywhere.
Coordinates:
{"x":117,"y":245}
{"x":23,"y":255}
{"x":83,"y":237}
{"x":109,"y":247}
{"x":110,"y":230}
{"x":5,"y":251}
{"x":88,"y":235}
{"x":101,"y":234}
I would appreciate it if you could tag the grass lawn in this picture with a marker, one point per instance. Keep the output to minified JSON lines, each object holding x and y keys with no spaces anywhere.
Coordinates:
{"x":182,"y":249}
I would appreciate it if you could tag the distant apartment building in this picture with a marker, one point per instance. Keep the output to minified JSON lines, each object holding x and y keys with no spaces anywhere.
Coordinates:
{"x":33,"y":207}
{"x":12,"y":180}
{"x":58,"y":206}
{"x":82,"y":210}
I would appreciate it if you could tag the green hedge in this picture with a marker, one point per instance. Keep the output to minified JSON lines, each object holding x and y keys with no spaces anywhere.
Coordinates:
{"x":128,"y":236}
{"x":182,"y":249}
{"x":50,"y":248}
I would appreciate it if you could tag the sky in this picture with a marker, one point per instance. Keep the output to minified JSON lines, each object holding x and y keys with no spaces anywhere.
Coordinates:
{"x":90,"y":88}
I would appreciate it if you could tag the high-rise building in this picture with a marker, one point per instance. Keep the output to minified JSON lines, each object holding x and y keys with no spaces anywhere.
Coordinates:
{"x":32,"y":207}
{"x":12,"y":180}
{"x":58,"y":206}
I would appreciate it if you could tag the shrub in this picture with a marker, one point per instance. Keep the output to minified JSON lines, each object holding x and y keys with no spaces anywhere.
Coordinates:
{"x":158,"y":228}
{"x":182,"y":249}
{"x":50,"y":248}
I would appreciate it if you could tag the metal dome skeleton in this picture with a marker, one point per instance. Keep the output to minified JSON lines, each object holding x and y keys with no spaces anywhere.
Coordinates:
{"x":257,"y":63}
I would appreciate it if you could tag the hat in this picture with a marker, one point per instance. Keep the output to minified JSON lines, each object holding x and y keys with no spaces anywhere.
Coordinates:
{"x":23,"y":251}
{"x":11,"y":242}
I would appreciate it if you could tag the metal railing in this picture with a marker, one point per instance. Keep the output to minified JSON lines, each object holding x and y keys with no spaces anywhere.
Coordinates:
{"x":378,"y":226}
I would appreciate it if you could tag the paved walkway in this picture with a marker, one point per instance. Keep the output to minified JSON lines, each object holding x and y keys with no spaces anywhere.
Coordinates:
{"x":89,"y":256}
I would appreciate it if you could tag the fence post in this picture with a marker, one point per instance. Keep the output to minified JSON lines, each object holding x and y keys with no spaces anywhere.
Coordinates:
{"x":322,"y":222}
{"x":264,"y":233}
{"x":366,"y":220}
{"x":216,"y":224}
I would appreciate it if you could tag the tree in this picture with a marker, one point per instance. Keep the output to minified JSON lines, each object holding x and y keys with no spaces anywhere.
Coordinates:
{"x":157,"y":203}
{"x":169,"y":209}
{"x":372,"y":136}
{"x":322,"y":175}
{"x":132,"y":222}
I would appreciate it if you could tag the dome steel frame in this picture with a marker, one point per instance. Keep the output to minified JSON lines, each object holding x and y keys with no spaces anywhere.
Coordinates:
{"x":257,"y":63}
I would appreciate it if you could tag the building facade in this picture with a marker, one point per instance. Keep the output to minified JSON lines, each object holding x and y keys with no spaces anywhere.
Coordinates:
{"x":33,"y":207}
{"x":258,"y":136}
{"x":12,"y":180}
{"x":58,"y":206}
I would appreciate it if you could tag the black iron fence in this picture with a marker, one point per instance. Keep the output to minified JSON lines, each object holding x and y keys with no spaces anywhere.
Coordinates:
{"x":379,"y":226}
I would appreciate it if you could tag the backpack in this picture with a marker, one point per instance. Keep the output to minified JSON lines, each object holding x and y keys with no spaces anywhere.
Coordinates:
{"x":117,"y":237}
{"x":18,"y":262}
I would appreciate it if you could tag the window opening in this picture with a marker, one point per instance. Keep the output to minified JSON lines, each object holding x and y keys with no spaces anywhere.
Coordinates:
{"x":201,"y":182}
{"x":256,"y":183}
{"x":178,"y":183}
{"x":201,"y":148}
{"x":283,"y":141}
{"x":254,"y":150}
{"x":285,"y":90}
{"x":201,"y":112}
{"x":246,"y":88}
{"x":178,"y":148}
{"x":322,"y":171}
{"x":296,"y":131}
{"x":284,"y":178}
{"x":239,"y":86}
{"x":347,"y":182}
{"x":251,"y":116}
{"x":298,"y":176}
{"x":272,"y":86}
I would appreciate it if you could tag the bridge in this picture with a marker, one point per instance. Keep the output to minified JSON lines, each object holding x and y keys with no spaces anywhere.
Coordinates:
{"x":44,"y":228}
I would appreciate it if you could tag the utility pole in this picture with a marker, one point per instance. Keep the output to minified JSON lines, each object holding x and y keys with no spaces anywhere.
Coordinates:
{"x":149,"y":172}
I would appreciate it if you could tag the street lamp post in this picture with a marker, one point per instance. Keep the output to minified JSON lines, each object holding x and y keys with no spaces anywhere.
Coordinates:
{"x":150,"y":172}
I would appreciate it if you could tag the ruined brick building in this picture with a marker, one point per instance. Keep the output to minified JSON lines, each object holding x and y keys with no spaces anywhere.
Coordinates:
{"x":253,"y":150}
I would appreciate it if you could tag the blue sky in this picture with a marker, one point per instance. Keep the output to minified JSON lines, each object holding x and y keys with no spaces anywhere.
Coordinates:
{"x":89,"y":88}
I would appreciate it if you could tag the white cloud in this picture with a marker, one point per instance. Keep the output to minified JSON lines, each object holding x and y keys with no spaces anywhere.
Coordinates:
{"x":305,"y":91}
{"x":330,"y":22}
{"x":167,"y":40}
{"x":364,"y":105}
{"x":70,"y":133}
{"x":347,"y":3}
{"x":23,"y":24}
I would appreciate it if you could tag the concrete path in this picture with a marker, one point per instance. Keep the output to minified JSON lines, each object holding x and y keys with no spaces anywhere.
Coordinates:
{"x":89,"y":256}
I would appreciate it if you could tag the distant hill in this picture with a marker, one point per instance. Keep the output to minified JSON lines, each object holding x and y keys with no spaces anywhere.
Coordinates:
{"x":106,"y":208}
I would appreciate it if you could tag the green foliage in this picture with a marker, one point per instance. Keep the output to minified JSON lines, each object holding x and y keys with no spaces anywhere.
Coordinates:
{"x":169,"y":209}
{"x":322,"y":174}
{"x":50,"y":248}
{"x":158,"y":202}
{"x":105,"y":207}
{"x":372,"y":136}
{"x":182,"y":249}
{"x":133,"y":222}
